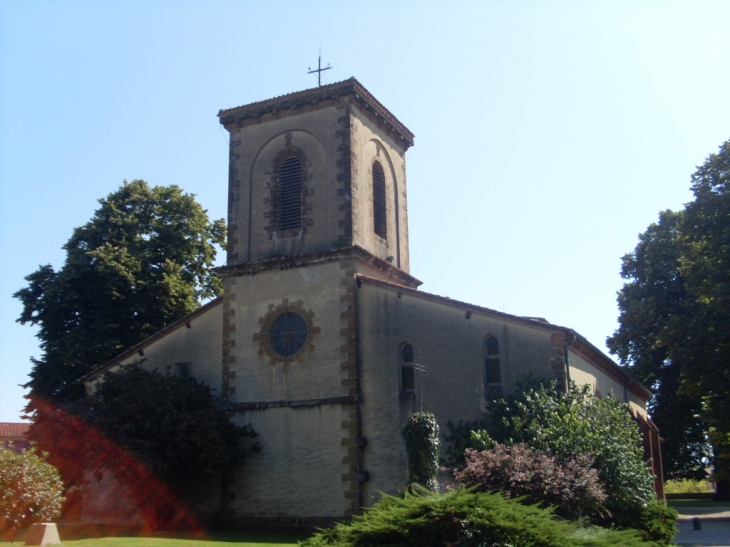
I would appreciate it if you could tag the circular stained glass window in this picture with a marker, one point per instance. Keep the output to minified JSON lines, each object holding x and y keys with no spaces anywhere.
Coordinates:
{"x":288,"y":334}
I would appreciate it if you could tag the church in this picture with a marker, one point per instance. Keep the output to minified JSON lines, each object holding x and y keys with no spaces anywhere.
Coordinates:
{"x":321,"y":339}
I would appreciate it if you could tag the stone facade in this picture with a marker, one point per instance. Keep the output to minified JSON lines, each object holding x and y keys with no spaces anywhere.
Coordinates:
{"x":307,"y":340}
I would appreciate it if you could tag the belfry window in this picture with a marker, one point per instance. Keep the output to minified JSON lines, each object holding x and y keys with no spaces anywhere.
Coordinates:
{"x":407,"y":378}
{"x":379,"y":220}
{"x":493,"y":373}
{"x":290,"y":193}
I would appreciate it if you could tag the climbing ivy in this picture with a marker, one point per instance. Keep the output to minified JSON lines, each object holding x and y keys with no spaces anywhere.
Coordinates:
{"x":421,"y":434}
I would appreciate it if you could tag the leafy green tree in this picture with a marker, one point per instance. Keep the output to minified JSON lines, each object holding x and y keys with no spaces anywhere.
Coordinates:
{"x":675,"y":324}
{"x":141,"y":262}
{"x":575,"y":424}
{"x":163,"y":436}
{"x":653,"y":309}
{"x":171,"y":424}
{"x":30,"y":491}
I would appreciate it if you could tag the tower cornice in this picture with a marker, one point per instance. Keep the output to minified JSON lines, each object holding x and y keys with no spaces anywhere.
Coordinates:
{"x":318,"y":97}
{"x":304,"y":260}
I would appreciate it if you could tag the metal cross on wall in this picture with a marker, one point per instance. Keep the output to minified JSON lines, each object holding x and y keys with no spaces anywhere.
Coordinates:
{"x":420,"y":368}
{"x":319,"y":70}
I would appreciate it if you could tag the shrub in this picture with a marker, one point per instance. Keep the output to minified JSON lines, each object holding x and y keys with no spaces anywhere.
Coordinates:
{"x":464,"y":518}
{"x":657,"y":522}
{"x":571,"y":425}
{"x":516,"y":471}
{"x":459,"y":438}
{"x":30,"y":491}
{"x":162,"y":436}
{"x":421,"y":434}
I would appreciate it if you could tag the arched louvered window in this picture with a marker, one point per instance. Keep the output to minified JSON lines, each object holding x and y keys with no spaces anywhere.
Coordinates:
{"x":290,"y":193}
{"x":407,"y":377}
{"x":493,"y":373}
{"x":379,"y":220}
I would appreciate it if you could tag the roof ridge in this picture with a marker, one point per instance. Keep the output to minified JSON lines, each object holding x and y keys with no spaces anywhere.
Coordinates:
{"x":291,"y":94}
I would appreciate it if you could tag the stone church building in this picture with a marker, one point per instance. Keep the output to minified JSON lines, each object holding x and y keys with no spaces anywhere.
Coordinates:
{"x":317,"y":338}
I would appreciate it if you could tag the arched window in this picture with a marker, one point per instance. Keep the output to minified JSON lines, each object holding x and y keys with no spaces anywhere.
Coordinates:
{"x":379,"y":220}
{"x":493,"y":373}
{"x":407,"y":378}
{"x":290,"y":193}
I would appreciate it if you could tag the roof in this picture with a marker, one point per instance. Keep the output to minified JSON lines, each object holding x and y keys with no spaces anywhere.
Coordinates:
{"x":156,"y":336}
{"x":579,"y":346}
{"x":312,"y":97}
{"x":14,"y":429}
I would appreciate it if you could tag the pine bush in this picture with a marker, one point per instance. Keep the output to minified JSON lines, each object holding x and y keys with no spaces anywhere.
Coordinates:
{"x":464,"y":518}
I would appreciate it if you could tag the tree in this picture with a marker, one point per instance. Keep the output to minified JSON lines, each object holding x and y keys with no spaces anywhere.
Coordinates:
{"x":30,"y":491}
{"x":674,"y":323}
{"x":141,"y":262}
{"x":150,"y":412}
{"x":164,"y":437}
{"x":653,"y":308}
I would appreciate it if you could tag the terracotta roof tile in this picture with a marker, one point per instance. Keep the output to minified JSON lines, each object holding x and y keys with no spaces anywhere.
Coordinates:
{"x":14,"y":429}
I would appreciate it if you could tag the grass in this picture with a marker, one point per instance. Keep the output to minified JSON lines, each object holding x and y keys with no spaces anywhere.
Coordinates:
{"x":686,"y":487}
{"x":697,"y":503}
{"x":234,"y":539}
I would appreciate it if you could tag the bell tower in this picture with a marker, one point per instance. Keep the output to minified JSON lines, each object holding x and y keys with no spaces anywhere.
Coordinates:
{"x":317,"y":197}
{"x":314,"y":172}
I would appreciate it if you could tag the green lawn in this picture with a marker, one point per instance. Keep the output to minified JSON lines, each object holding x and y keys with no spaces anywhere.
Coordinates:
{"x":697,"y":503}
{"x":236,"y":539}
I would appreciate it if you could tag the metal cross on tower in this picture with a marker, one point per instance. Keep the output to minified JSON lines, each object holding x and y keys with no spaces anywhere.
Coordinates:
{"x":319,"y":70}
{"x":421,"y":368}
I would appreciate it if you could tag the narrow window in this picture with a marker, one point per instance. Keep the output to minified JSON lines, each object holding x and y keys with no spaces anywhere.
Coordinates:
{"x":182,"y":370}
{"x":407,"y":379}
{"x":491,"y":352}
{"x":290,"y":194}
{"x":379,"y":201}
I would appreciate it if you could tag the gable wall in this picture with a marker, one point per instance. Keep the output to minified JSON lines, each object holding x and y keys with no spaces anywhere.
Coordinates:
{"x":583,"y":372}
{"x":199,"y":345}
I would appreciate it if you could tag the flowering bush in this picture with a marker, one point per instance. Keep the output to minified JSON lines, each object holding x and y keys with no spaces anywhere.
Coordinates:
{"x":30,"y":491}
{"x":516,"y":471}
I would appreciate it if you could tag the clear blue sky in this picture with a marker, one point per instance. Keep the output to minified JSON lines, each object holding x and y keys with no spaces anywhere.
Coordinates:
{"x":548,"y":134}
